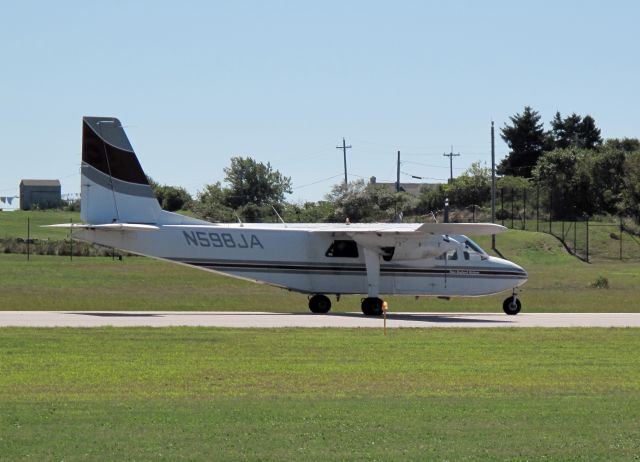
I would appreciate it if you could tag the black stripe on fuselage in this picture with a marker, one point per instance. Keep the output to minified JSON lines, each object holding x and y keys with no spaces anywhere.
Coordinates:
{"x":229,"y":266}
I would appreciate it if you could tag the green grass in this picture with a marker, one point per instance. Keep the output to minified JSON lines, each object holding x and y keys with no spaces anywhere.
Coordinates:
{"x":558,"y":282}
{"x":319,"y":394}
{"x":603,"y":236}
{"x":14,"y":224}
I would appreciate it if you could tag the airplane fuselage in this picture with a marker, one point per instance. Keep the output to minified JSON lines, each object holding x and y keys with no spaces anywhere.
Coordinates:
{"x":300,"y":259}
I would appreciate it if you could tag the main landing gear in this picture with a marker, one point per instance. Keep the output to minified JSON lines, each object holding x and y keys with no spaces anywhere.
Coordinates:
{"x":372,"y":306}
{"x":319,"y":304}
{"x":512,"y":305}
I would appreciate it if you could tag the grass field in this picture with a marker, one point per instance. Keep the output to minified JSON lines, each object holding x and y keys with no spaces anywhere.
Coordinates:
{"x":319,"y":394}
{"x":314,"y":394}
{"x":558,"y":282}
{"x":14,"y":224}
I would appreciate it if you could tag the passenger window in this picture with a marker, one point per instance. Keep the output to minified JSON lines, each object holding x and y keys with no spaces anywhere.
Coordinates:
{"x":450,"y":255}
{"x":341,"y":248}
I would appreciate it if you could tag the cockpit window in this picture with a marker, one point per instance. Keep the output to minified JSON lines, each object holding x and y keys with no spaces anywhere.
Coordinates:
{"x":342,"y":248}
{"x":466,"y":250}
{"x":473,"y":246}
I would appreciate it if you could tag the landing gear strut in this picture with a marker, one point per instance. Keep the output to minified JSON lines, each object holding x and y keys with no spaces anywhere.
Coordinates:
{"x":319,"y":304}
{"x":512,"y":305}
{"x":372,"y":306}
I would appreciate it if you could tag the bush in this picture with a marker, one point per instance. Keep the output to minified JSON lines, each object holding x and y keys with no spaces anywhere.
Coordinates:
{"x":600,"y":283}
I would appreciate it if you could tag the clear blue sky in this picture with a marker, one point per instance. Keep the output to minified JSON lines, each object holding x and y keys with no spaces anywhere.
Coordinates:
{"x":196,"y":83}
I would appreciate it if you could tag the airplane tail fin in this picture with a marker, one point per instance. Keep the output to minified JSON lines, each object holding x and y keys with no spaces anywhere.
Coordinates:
{"x":114,"y":188}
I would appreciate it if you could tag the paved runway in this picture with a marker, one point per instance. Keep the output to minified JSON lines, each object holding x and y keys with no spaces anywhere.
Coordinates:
{"x":308,"y":320}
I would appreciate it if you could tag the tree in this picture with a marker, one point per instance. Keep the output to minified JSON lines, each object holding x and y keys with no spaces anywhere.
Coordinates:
{"x":588,"y":134}
{"x":171,"y":198}
{"x":210,"y":206}
{"x":555,"y":175}
{"x":473,"y":187}
{"x":309,"y":212}
{"x":361,"y":202}
{"x":575,"y":131}
{"x":174,"y":198}
{"x":624,"y":144}
{"x":254,"y":183}
{"x":582,"y":181}
{"x":631,"y":192}
{"x":526,"y":140}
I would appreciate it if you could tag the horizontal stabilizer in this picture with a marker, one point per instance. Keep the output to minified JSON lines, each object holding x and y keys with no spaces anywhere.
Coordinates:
{"x":106,"y":226}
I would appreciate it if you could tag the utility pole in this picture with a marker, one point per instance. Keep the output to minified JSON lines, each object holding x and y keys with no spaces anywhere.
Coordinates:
{"x":344,"y":148}
{"x":451,"y":155}
{"x":398,"y":174}
{"x":493,"y":185}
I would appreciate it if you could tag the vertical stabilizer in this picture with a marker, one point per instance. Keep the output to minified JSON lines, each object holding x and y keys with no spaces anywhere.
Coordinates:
{"x":114,"y":187}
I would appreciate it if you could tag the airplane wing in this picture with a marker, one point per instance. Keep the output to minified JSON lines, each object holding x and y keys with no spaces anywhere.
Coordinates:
{"x":106,"y":226}
{"x":473,"y":229}
{"x":428,"y":238}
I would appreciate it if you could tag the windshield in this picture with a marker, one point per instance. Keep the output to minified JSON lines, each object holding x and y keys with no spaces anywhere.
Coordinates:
{"x":468,"y":243}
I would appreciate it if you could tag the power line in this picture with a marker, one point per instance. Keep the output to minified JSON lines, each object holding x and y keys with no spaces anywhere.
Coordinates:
{"x":429,"y":165}
{"x":319,"y":181}
{"x":419,"y":177}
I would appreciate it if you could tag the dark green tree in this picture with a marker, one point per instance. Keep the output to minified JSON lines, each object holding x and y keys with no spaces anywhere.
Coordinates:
{"x":526,"y":140}
{"x":588,"y":134}
{"x":581,"y":181}
{"x":575,"y":131}
{"x":171,"y":198}
{"x":630,"y":203}
{"x":174,"y":198}
{"x":555,"y":175}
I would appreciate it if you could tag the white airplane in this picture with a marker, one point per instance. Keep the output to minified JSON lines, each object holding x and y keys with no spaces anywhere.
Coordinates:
{"x":120,"y":210}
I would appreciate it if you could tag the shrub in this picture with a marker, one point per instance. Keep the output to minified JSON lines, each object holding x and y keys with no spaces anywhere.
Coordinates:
{"x":600,"y":283}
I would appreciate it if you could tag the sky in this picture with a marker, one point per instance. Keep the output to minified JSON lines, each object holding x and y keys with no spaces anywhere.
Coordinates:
{"x":197,"y":82}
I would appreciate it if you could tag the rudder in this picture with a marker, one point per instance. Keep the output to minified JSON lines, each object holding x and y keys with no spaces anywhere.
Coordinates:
{"x":114,"y":188}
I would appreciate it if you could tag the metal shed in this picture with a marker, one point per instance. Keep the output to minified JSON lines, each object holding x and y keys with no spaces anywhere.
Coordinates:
{"x":43,"y":194}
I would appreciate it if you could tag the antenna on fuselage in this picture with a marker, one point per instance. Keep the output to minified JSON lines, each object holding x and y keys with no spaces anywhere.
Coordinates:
{"x":238,"y":218}
{"x":278,"y":215}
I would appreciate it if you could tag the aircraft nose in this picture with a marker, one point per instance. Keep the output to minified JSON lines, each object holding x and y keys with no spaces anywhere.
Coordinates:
{"x":522,"y":272}
{"x":517,"y":270}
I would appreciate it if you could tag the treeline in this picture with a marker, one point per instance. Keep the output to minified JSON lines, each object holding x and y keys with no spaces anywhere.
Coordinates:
{"x":573,"y":170}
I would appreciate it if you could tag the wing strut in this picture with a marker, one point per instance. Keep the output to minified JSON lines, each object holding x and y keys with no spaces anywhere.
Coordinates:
{"x":372,"y":261}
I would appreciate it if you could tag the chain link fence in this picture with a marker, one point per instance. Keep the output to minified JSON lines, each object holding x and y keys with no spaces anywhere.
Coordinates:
{"x":605,"y":237}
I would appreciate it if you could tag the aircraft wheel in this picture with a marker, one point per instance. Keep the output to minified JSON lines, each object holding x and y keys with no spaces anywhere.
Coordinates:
{"x":319,"y":304}
{"x":512,"y":306}
{"x":372,"y":306}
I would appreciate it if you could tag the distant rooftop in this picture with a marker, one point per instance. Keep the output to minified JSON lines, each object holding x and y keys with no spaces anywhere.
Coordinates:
{"x":40,"y":183}
{"x":411,"y":188}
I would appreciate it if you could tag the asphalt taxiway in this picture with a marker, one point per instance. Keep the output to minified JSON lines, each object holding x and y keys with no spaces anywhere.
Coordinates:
{"x":309,"y":320}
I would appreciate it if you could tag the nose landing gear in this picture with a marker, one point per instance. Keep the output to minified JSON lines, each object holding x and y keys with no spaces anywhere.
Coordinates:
{"x":512,"y":305}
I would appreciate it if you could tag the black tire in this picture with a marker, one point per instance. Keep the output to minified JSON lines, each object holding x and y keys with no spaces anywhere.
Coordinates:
{"x":510,"y":307}
{"x":319,"y":304}
{"x":372,"y":306}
